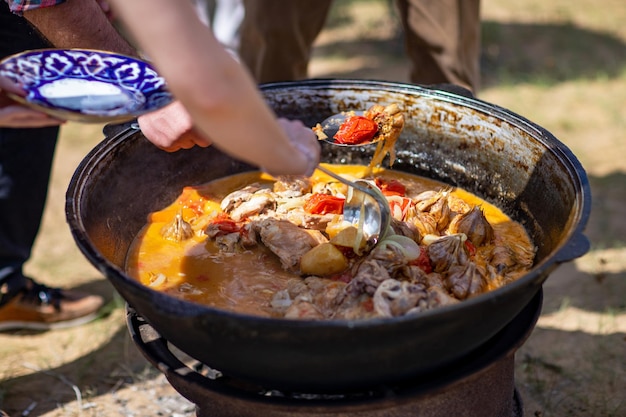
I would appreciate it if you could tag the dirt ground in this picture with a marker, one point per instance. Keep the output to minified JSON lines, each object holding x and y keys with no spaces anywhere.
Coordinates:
{"x":561,"y":64}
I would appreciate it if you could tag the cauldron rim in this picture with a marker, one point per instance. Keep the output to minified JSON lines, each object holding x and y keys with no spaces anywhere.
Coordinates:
{"x":572,"y":245}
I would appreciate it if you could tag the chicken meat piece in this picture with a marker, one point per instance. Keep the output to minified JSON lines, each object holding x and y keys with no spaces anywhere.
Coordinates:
{"x":292,"y":185}
{"x":227,"y":242}
{"x":390,"y":122}
{"x":395,"y":298}
{"x":303,"y":309}
{"x":248,"y":201}
{"x":367,"y":277}
{"x":307,"y":220}
{"x":355,"y":307}
{"x":286,"y":240}
{"x":436,"y":297}
{"x":326,"y":294}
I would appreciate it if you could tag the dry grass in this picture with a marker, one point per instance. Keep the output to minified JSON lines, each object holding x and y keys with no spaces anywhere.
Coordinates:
{"x":559,"y":63}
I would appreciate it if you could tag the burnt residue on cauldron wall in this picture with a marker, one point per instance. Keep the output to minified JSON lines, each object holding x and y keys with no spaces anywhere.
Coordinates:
{"x":443,"y":140}
{"x":458,"y":140}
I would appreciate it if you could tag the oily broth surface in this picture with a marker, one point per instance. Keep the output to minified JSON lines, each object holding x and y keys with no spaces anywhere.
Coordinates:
{"x":245,"y":281}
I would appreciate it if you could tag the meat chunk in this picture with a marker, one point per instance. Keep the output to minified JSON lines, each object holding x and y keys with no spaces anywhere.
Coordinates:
{"x":395,"y":298}
{"x":313,"y":298}
{"x":436,"y":297}
{"x":303,"y":309}
{"x":285,"y":240}
{"x":247,"y":202}
{"x":228,"y":242}
{"x":369,"y":274}
{"x":292,"y":185}
{"x":308,"y":220}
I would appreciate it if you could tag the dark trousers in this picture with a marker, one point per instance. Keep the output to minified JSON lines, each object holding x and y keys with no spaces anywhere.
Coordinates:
{"x":25,"y":162}
{"x":442,"y":39}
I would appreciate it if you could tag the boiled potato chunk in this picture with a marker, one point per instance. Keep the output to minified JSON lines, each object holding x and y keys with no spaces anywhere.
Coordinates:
{"x":323,"y":260}
{"x":347,"y":238}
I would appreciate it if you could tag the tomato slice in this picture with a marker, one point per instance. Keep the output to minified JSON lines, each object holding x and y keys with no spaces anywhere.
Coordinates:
{"x":227,"y":226}
{"x":399,"y":206}
{"x":391,"y":187}
{"x":356,"y":130}
{"x":324,"y":204}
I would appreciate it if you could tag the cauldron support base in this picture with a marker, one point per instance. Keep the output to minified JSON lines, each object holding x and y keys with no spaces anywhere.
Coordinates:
{"x":482,"y":384}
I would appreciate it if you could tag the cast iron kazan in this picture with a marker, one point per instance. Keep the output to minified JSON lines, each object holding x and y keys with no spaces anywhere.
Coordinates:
{"x":449,"y":136}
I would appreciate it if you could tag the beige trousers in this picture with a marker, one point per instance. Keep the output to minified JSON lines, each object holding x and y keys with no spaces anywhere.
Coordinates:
{"x":442,"y":39}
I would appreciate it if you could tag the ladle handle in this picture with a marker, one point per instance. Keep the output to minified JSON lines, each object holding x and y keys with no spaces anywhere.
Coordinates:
{"x":345,"y":181}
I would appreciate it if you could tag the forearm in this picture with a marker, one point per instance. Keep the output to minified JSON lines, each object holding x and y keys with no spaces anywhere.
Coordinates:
{"x":219,"y":94}
{"x":78,"y":24}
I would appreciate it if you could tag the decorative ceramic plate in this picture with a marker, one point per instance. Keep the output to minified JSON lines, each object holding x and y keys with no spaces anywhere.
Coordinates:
{"x":86,"y":85}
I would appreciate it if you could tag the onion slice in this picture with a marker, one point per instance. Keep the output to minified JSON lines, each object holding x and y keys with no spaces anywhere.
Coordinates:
{"x":410,"y":249}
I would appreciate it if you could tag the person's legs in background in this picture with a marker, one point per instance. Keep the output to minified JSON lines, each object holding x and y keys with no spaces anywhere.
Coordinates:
{"x":26,"y":157}
{"x":443,"y":41}
{"x":277,"y":37}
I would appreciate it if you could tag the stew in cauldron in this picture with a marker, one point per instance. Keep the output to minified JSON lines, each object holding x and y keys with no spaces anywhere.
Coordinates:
{"x":277,"y":247}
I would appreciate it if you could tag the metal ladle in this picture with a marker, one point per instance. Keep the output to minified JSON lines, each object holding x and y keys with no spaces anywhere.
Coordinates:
{"x":364,"y":205}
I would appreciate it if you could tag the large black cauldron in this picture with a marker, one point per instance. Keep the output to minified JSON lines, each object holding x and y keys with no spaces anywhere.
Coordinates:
{"x":450,"y":137}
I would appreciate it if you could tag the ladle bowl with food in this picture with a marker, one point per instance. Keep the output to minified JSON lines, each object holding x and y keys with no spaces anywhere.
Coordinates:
{"x":366,"y":208}
{"x":457,"y":157}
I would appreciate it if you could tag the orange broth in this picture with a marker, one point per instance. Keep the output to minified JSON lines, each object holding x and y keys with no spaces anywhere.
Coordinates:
{"x":245,"y":281}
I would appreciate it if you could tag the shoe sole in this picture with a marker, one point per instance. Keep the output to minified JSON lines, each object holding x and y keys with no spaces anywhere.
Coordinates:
{"x":29,"y":325}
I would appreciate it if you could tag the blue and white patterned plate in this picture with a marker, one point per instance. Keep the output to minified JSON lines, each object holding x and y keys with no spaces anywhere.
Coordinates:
{"x":86,"y":85}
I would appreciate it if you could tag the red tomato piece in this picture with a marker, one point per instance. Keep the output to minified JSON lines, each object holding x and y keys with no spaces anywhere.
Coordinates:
{"x":423,"y":261}
{"x":355,"y":130}
{"x":324,"y":204}
{"x":225,"y":224}
{"x":399,"y":208}
{"x":471,"y":249}
{"x":391,"y":187}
